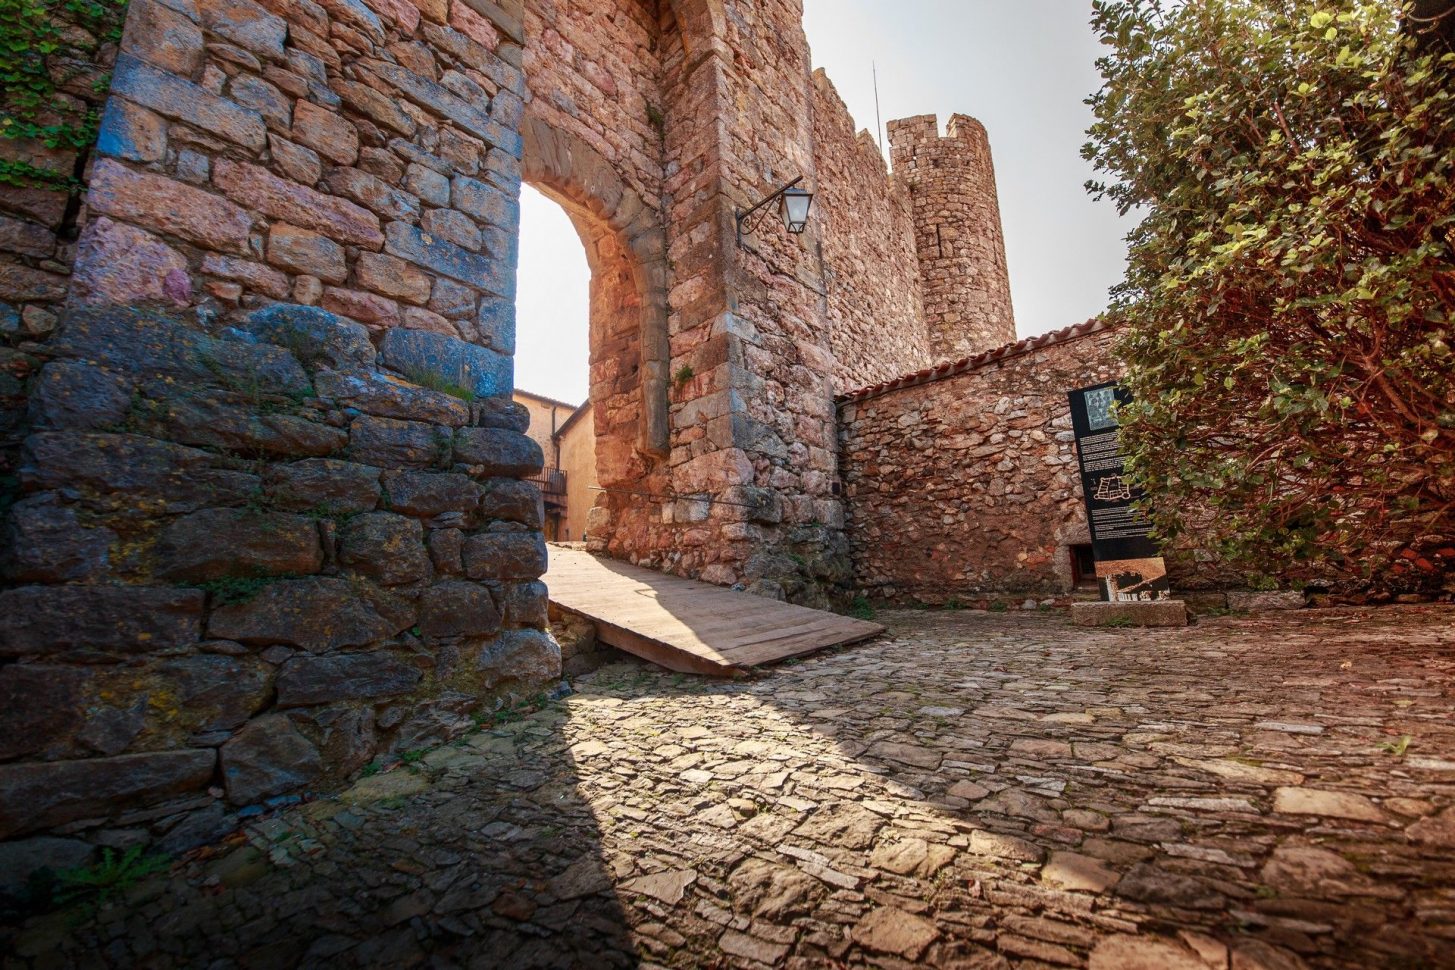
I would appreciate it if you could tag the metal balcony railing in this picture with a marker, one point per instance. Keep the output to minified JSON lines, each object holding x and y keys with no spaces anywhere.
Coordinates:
{"x":552,"y":483}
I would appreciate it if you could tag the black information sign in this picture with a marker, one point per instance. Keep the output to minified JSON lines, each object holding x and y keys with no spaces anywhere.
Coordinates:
{"x":1129,"y":565}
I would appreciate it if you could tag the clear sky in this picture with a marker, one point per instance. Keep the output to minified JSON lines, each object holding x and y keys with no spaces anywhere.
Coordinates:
{"x":1022,"y":67}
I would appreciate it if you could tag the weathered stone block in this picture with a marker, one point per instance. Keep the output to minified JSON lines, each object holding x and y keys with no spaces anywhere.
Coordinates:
{"x":131,"y":132}
{"x":302,"y":251}
{"x":512,"y":500}
{"x":257,"y":188}
{"x":314,"y":335}
{"x":451,"y":300}
{"x":129,"y":472}
{"x":326,"y":133}
{"x":368,"y":308}
{"x":373,"y":193}
{"x":214,"y":422}
{"x":428,"y":184}
{"x":418,"y":318}
{"x":39,"y":706}
{"x":445,"y":546}
{"x":300,"y":164}
{"x":317,"y":614}
{"x":386,"y":442}
{"x":530,"y":657}
{"x":109,"y":729}
{"x":525,"y":604}
{"x":247,"y":25}
{"x":45,"y":795}
{"x":26,"y":238}
{"x":127,"y":265}
{"x":1150,"y":613}
{"x":72,"y":395}
{"x":323,"y":485}
{"x":437,"y":99}
{"x":237,"y":543}
{"x":163,"y":37}
{"x":389,"y":397}
{"x":151,"y":346}
{"x":387,"y":548}
{"x":392,"y":276}
{"x":480,"y":370}
{"x":505,"y":555}
{"x":345,"y":734}
{"x":485,"y":202}
{"x":408,"y":242}
{"x":46,"y":543}
{"x":306,"y":681}
{"x":501,"y":412}
{"x":264,"y":98}
{"x":217,"y":693}
{"x":256,"y":276}
{"x":452,"y":226}
{"x":41,"y":620}
{"x":495,"y":324}
{"x":22,"y":284}
{"x":452,"y":609}
{"x":497,"y":451}
{"x":428,"y":494}
{"x":269,"y":756}
{"x":167,"y":205}
{"x":375,"y":106}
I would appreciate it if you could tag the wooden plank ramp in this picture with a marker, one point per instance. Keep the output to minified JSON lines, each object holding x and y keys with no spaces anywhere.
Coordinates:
{"x":687,"y":626}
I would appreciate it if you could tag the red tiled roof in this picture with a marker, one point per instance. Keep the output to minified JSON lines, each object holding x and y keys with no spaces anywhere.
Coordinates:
{"x":952,"y":367}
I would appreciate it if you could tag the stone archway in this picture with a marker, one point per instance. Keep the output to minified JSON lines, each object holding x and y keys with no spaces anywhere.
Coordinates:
{"x":626,"y":250}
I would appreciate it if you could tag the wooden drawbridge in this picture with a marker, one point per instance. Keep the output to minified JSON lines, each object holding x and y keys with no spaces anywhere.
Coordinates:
{"x":689,"y":626}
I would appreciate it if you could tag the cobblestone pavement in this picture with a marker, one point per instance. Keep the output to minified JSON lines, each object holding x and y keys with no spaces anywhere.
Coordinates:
{"x":973,"y":790}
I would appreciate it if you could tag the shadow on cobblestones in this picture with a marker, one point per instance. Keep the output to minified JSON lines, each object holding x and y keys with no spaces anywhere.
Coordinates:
{"x":971,"y":791}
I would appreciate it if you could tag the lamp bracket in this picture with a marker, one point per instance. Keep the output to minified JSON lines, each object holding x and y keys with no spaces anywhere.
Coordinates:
{"x":745,"y":217}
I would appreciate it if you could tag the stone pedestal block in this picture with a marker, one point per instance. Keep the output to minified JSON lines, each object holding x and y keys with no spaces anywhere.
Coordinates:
{"x":1157,"y":613}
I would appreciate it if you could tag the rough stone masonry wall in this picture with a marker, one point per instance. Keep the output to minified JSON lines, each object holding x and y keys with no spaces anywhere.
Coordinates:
{"x":967,"y":486}
{"x":963,"y":274}
{"x":594,"y":143}
{"x":38,"y":229}
{"x":871,"y":264}
{"x":252,"y":549}
{"x":754,"y":328}
{"x":249,"y":562}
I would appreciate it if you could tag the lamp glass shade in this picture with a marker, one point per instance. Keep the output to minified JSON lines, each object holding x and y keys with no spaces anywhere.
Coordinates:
{"x":794,"y":207}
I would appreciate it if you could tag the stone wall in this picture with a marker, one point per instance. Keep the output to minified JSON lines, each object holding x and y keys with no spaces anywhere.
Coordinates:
{"x":248,"y":562}
{"x":963,"y":274}
{"x":40,"y":220}
{"x":962,"y":481}
{"x":871,"y":265}
{"x":268,"y":523}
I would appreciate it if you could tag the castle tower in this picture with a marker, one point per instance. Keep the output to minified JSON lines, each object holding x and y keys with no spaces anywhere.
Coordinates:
{"x":963,"y":275}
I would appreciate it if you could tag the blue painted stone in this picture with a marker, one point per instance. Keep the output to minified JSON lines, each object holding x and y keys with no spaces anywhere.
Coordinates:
{"x":447,"y":259}
{"x":9,"y":318}
{"x":496,"y":323}
{"x":123,"y":133}
{"x":421,"y":352}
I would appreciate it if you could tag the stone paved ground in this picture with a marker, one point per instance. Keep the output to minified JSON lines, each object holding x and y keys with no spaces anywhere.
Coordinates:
{"x":972,"y":791}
